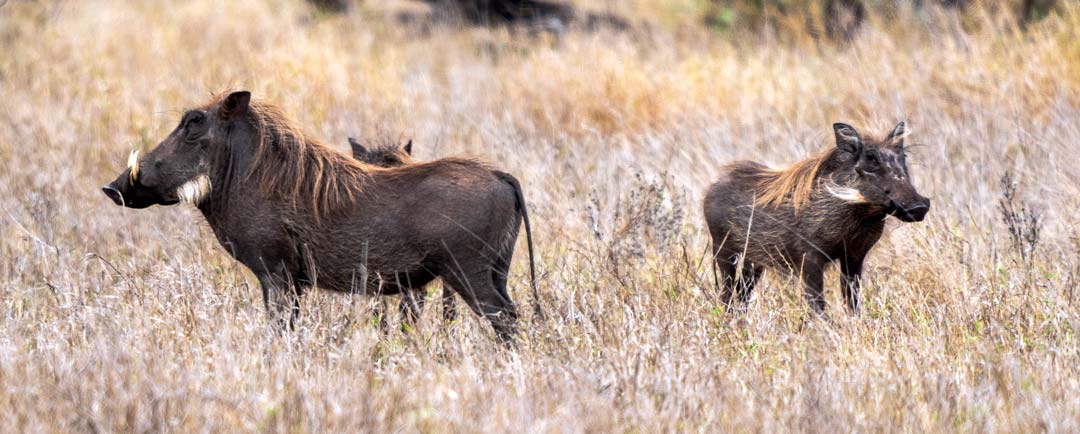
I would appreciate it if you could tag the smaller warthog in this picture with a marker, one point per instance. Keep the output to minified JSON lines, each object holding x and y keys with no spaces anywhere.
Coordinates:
{"x":829,"y":207}
{"x":392,"y":155}
{"x":384,"y":155}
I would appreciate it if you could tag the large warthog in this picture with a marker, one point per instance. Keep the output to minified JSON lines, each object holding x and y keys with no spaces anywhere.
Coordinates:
{"x":300,"y":214}
{"x":392,"y":155}
{"x":829,"y":207}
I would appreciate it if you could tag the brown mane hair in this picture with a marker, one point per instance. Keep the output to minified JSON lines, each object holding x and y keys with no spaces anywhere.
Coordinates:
{"x":774,"y":186}
{"x":302,"y":171}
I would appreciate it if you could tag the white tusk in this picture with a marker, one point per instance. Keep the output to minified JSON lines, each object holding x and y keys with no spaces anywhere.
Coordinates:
{"x":133,"y":164}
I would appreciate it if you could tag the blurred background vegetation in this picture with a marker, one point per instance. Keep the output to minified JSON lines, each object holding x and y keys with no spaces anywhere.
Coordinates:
{"x":836,"y":20}
{"x":840,"y":20}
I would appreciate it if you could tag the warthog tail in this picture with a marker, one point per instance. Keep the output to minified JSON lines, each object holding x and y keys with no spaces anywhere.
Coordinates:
{"x":509,"y":179}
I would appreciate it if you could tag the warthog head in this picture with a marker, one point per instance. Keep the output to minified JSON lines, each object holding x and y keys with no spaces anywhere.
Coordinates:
{"x":178,"y":168}
{"x":876,"y":173}
{"x":390,"y":155}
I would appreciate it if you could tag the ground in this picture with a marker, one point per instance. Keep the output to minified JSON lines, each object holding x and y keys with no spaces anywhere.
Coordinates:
{"x":118,"y":320}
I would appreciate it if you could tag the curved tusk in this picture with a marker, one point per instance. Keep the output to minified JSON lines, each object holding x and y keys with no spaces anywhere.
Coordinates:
{"x":133,"y":164}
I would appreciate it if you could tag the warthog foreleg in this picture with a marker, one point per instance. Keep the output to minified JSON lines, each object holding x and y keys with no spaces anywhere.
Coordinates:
{"x":281,"y":299}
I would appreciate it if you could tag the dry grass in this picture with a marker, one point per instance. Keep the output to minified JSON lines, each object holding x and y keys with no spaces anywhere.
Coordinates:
{"x":116,"y":320}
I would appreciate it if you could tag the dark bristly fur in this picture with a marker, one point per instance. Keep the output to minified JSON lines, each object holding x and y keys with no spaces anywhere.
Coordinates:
{"x":391,"y":155}
{"x":829,"y":207}
{"x":300,"y":214}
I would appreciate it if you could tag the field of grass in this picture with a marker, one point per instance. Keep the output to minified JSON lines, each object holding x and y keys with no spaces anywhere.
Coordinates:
{"x":119,"y":320}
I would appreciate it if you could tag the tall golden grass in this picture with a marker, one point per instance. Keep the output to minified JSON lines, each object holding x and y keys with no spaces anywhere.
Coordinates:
{"x":115,"y":320}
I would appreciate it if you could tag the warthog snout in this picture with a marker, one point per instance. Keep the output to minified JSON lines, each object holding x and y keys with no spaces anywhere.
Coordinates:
{"x":113,"y":193}
{"x":914,"y":212}
{"x":131,"y":195}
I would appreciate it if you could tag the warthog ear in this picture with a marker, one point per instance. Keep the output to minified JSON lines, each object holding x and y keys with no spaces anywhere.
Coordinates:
{"x":236,"y":104}
{"x":896,"y":137}
{"x":357,"y":148}
{"x":847,"y":138}
{"x":408,"y":147}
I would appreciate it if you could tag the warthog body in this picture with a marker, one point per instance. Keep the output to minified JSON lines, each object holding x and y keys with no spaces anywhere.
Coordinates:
{"x":299,"y":214}
{"x":392,"y":155}
{"x":830,"y":207}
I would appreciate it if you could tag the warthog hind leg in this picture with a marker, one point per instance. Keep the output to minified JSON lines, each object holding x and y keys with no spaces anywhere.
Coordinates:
{"x":726,"y":267}
{"x":479,"y":292}
{"x":851,"y":281}
{"x":412,"y":304}
{"x":813,"y":281}
{"x":449,"y":304}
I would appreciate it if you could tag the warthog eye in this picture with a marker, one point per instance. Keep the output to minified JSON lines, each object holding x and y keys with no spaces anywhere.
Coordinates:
{"x":872,"y":163}
{"x":194,"y":119}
